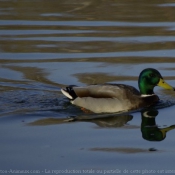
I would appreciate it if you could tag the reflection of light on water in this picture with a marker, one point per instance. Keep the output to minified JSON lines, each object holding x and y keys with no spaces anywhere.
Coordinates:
{"x":42,"y":32}
{"x":87,"y":23}
{"x":51,"y":14}
{"x":167,"y":5}
{"x":164,"y":104}
{"x":46,"y":45}
{"x":135,"y":39}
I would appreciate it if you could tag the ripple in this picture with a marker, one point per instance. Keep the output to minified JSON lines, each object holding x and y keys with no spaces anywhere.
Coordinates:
{"x":22,"y":101}
{"x":85,"y":23}
{"x":41,"y":32}
{"x":39,"y":56}
{"x":164,"y":104}
{"x":137,"y":39}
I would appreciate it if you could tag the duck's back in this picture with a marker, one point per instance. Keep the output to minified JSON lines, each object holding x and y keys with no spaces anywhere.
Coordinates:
{"x":109,"y":98}
{"x":106,"y":91}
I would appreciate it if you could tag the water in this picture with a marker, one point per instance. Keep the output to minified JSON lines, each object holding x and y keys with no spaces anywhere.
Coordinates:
{"x":46,"y":45}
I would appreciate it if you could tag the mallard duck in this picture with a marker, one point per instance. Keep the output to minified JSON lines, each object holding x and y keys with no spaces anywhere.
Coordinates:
{"x":111,"y":98}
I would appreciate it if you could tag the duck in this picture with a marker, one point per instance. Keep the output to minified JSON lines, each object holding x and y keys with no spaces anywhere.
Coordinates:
{"x":114,"y":98}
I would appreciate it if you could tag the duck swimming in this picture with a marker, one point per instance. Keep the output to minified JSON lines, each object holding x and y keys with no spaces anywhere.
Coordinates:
{"x":111,"y":98}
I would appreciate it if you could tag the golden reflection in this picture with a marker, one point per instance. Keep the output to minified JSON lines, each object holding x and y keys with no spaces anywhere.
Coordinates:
{"x":33,"y":74}
{"x":126,"y":36}
{"x":100,"y":78}
{"x":108,"y":60}
{"x":89,"y":9}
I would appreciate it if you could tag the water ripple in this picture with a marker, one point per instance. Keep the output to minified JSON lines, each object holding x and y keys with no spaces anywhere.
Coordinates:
{"x":85,"y":23}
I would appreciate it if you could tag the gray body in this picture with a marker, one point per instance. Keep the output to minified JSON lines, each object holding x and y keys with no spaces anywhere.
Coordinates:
{"x":110,"y":98}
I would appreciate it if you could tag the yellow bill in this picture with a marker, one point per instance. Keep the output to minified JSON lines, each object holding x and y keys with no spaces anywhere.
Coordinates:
{"x":165,"y":130}
{"x":164,"y":85}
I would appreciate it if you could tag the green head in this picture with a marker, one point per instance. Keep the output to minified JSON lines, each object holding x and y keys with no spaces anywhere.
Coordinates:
{"x":148,"y":79}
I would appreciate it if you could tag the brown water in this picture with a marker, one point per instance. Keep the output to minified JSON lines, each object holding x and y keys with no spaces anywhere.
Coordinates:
{"x":45,"y":45}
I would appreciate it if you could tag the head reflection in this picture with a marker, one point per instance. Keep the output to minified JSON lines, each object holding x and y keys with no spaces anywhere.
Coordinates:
{"x":150,"y":130}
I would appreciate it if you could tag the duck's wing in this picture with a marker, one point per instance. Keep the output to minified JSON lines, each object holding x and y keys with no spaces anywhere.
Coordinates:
{"x":100,"y":91}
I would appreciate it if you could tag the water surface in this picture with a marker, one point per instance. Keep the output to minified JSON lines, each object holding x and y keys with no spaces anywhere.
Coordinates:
{"x":46,"y":45}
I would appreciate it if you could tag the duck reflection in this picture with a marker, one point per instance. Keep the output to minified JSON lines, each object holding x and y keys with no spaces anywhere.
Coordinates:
{"x":107,"y":121}
{"x":103,"y":120}
{"x":150,"y":130}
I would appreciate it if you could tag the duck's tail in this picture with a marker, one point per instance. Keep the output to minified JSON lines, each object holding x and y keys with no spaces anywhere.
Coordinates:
{"x":69,"y":92}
